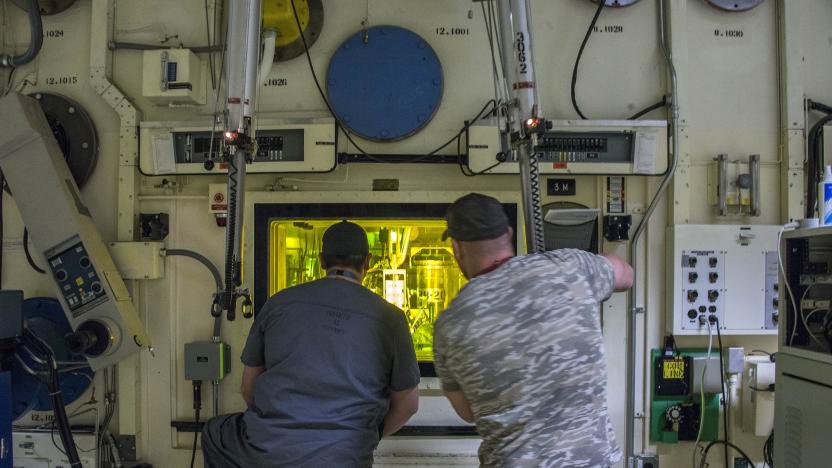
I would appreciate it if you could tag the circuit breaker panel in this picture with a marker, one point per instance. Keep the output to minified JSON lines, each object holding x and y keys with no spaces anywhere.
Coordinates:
{"x":728,"y":272}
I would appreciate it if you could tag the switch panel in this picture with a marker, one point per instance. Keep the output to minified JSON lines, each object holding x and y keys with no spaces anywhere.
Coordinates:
{"x":77,"y":279}
{"x":576,"y":147}
{"x":703,"y":287}
{"x":283,"y":146}
{"x":725,"y":271}
{"x":772,"y":291}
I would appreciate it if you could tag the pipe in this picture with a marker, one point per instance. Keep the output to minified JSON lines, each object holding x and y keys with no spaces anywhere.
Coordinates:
{"x":115,"y":45}
{"x":516,"y":42}
{"x":269,"y":49}
{"x":632,"y":361}
{"x":215,"y":272}
{"x":35,"y":43}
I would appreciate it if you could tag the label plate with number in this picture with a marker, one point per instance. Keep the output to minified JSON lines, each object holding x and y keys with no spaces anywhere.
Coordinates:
{"x":560,"y":187}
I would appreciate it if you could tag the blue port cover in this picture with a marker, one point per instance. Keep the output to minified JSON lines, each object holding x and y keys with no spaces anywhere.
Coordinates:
{"x":385,"y":83}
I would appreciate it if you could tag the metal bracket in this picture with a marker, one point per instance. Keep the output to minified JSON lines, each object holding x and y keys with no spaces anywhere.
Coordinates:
{"x":645,"y":460}
{"x":126,"y":446}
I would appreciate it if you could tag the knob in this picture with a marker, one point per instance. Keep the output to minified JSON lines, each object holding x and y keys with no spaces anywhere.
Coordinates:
{"x":713,"y":295}
{"x":693,"y":295}
{"x":692,"y":314}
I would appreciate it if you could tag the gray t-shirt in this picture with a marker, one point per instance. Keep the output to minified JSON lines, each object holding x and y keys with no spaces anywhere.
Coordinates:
{"x":333,"y":352}
{"x":524,"y":344}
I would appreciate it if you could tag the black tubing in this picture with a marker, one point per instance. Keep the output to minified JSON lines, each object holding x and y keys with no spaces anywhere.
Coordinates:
{"x":215,"y":272}
{"x":36,"y":41}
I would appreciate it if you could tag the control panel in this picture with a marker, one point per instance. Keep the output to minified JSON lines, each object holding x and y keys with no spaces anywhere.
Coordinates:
{"x":726,"y":271}
{"x":281,"y":147}
{"x":92,"y":293}
{"x":577,"y":147}
{"x":77,"y":279}
{"x":272,"y":145}
{"x":586,"y":147}
{"x":772,"y":291}
{"x":703,"y":287}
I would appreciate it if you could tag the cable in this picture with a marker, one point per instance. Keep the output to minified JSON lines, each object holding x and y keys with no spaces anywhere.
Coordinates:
{"x":35,"y":42}
{"x":726,"y":395}
{"x":786,"y":280}
{"x":210,"y":55}
{"x":601,"y":4}
{"x":727,"y":444}
{"x":215,"y":272}
{"x":647,"y":110}
{"x":197,"y":406}
{"x":29,"y":254}
{"x":768,"y":451}
{"x":702,"y":391}
{"x":2,"y":237}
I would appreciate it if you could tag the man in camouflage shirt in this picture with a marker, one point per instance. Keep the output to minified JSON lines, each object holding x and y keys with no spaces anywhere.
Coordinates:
{"x":519,"y":351}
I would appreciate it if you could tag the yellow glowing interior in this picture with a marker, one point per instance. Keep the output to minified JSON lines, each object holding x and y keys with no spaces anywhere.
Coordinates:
{"x":411,"y":266}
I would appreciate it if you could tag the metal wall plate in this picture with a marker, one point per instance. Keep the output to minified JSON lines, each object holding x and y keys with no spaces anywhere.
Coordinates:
{"x":74,"y":131}
{"x":735,"y":5}
{"x":47,"y":7}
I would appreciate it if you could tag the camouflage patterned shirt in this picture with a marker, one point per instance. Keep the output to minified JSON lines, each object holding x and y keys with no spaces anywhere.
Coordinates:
{"x":524,"y":344}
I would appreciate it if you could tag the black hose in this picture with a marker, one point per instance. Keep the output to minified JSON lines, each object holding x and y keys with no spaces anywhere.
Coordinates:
{"x":601,"y":4}
{"x":228,"y":297}
{"x":647,"y":110}
{"x":36,"y":41}
{"x":215,"y":272}
{"x":726,"y":393}
{"x":727,"y":444}
{"x":29,"y":254}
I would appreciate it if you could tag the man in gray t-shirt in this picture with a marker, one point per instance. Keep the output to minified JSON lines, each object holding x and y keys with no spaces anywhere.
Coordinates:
{"x":329,"y":370}
{"x":519,"y":351}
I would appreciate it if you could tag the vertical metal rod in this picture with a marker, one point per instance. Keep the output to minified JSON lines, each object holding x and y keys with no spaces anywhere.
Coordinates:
{"x":754,"y":168}
{"x":518,"y":70}
{"x":632,"y":327}
{"x":242,"y":54}
{"x":215,"y":387}
{"x":722,"y":181}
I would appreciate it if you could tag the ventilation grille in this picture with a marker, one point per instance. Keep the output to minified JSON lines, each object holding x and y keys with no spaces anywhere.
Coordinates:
{"x":793,"y":437}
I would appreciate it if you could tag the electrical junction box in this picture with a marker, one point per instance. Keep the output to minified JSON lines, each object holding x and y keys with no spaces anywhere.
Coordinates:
{"x":173,"y":76}
{"x":594,"y":147}
{"x":725,"y":271}
{"x":41,"y":450}
{"x":675,"y":407}
{"x":283,"y":146}
{"x":758,"y":398}
{"x":139,"y":260}
{"x":206,"y":360}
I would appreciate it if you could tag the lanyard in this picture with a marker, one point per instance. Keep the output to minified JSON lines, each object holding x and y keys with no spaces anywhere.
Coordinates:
{"x":493,"y":267}
{"x":344,"y":273}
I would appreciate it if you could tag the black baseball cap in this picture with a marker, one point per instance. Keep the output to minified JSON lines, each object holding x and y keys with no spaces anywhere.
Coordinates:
{"x":475,"y":217}
{"x":345,"y":239}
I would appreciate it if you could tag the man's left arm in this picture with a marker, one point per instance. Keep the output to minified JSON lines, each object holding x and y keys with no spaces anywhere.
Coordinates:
{"x":254,"y":358}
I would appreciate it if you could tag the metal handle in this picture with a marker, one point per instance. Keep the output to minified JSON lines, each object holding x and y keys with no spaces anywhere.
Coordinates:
{"x":754,"y":169}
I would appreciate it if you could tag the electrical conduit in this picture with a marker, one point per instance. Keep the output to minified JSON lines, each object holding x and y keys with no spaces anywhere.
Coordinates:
{"x":632,"y":328}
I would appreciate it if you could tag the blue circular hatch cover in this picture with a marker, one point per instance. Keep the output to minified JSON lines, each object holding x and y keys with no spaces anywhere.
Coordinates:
{"x":385,"y":83}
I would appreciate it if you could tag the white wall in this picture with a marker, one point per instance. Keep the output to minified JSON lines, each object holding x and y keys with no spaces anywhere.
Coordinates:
{"x":729,"y":96}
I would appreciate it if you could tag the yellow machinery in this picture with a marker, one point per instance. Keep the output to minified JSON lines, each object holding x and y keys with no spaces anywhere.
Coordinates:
{"x":411,"y":267}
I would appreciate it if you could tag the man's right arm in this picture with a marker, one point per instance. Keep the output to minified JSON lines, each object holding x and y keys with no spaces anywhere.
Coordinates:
{"x":250,"y":374}
{"x":403,"y":405}
{"x":622,"y":272}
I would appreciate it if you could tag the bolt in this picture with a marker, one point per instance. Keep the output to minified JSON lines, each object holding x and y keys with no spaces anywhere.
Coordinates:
{"x":85,"y":145}
{"x":71,"y":109}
